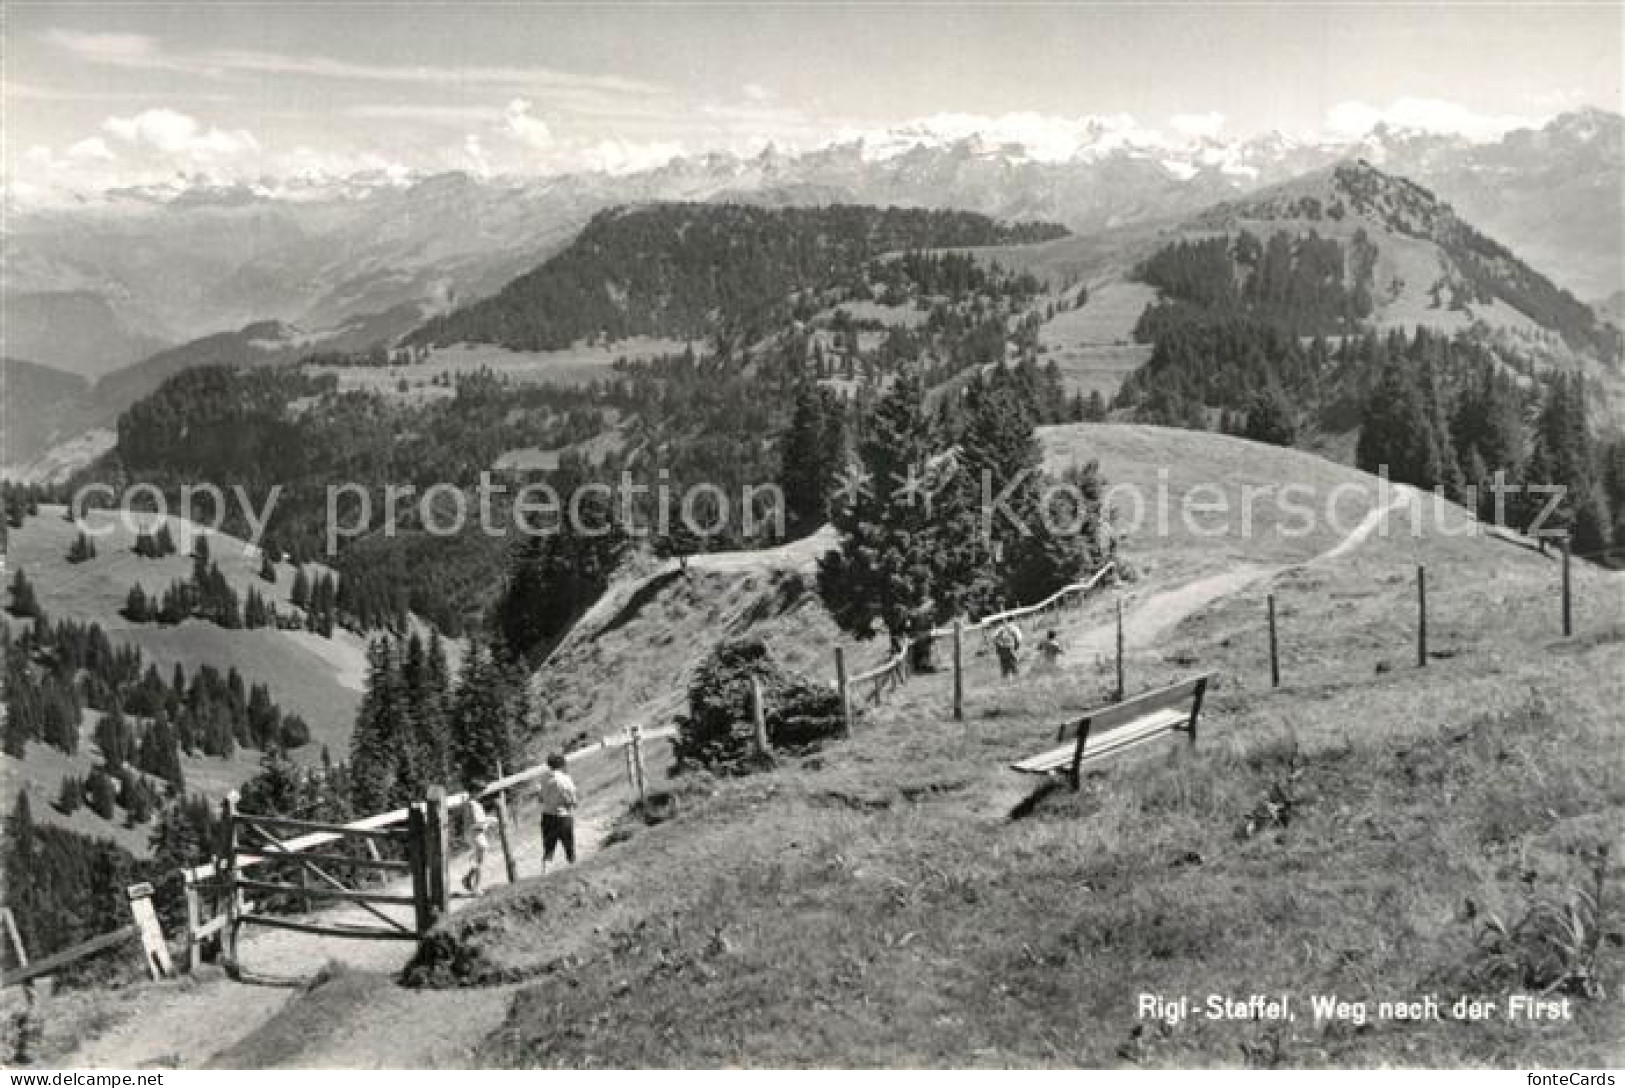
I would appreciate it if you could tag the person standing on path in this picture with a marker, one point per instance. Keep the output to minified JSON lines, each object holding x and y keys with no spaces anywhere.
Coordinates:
{"x":558,"y":796}
{"x":1049,"y":652}
{"x":1006,"y":641}
{"x":479,"y":822}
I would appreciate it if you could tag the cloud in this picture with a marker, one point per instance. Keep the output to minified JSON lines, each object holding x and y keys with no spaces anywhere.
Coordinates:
{"x":91,"y":147}
{"x":475,"y":150}
{"x":532,"y":131}
{"x":107,"y":48}
{"x":755,"y":92}
{"x":175,"y":133}
{"x":140,"y":51}
{"x":1198,"y":125}
{"x":431,"y":114}
{"x":1353,"y":119}
{"x":628,"y":157}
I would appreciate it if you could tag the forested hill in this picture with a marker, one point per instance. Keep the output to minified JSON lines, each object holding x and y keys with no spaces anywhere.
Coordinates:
{"x":698,"y":270}
{"x":1420,"y":261}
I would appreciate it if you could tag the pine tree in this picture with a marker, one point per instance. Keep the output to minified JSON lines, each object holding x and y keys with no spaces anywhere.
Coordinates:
{"x":375,"y":744}
{"x":300,"y":593}
{"x":811,"y":454}
{"x":1397,"y":431}
{"x":1270,"y":419}
{"x":898,"y":566}
{"x":103,"y":793}
{"x":1097,"y":407}
{"x":1565,"y":455}
{"x":115,"y":738}
{"x":486,"y":708}
{"x":1036,"y":550}
{"x":70,"y":795}
{"x":136,"y":609}
{"x":82,"y":549}
{"x":23,"y":602}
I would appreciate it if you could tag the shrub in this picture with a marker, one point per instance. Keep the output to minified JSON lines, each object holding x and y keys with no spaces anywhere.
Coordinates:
{"x":294,"y":733}
{"x":1556,"y":946}
{"x":717,"y":732}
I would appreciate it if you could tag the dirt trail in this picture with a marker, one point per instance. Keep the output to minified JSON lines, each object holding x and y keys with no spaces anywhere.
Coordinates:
{"x":184,"y":1023}
{"x":1152,"y":617}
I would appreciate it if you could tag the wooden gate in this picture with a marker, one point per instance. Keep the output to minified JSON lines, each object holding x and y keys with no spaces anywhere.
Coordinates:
{"x":351,"y":863}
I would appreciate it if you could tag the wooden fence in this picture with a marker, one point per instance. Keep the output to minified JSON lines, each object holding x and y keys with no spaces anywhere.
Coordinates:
{"x":143,"y":926}
{"x":334,"y":860}
{"x":894,"y":671}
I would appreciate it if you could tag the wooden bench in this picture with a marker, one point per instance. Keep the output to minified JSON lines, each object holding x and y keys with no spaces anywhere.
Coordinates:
{"x":1112,"y":729}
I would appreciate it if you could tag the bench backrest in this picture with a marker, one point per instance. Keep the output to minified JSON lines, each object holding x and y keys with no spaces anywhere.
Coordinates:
{"x":1174,"y":696}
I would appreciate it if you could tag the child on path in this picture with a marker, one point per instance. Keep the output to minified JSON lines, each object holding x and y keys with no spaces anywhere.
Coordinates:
{"x":1049,"y":652}
{"x":475,"y":880}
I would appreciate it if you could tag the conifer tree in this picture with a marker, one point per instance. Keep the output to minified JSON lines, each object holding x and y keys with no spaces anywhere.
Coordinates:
{"x":82,"y":549}
{"x":376,"y":742}
{"x":136,"y":609}
{"x":70,"y":795}
{"x":1270,"y":419}
{"x":1397,"y":431}
{"x":486,"y":710}
{"x":902,"y":564}
{"x":300,"y":593}
{"x":23,"y":602}
{"x":811,"y":454}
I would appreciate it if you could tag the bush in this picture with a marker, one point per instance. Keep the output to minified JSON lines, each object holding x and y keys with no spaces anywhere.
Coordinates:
{"x":717,"y":732}
{"x":294,"y":733}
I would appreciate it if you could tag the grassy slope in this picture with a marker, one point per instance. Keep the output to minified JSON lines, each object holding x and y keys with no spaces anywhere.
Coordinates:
{"x":319,"y":679}
{"x":628,"y":659}
{"x":1094,"y":344}
{"x":874,"y":904}
{"x":578,"y":365}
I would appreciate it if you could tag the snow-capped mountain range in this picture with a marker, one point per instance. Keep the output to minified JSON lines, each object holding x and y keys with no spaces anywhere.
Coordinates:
{"x":172,"y":262}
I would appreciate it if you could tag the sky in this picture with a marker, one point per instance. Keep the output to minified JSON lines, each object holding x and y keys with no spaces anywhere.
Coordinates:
{"x":108,"y":94}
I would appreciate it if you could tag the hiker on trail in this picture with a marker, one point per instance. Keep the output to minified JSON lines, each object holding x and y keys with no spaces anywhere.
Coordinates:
{"x":558,"y":797}
{"x":474,"y":882}
{"x":1006,"y":641}
{"x":1049,"y":652}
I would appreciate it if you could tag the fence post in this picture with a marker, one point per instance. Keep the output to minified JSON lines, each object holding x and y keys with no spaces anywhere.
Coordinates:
{"x":1275,"y":657}
{"x":1568,"y":607}
{"x":18,"y":952}
{"x":759,"y":718}
{"x":637,"y":763}
{"x":1421,"y":617}
{"x":154,"y":947}
{"x":840,"y":685}
{"x":226,"y":872}
{"x":959,"y":671}
{"x":508,"y":862}
{"x":417,"y":838}
{"x":438,"y":854}
{"x":1122,"y":690}
{"x":194,"y":921}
